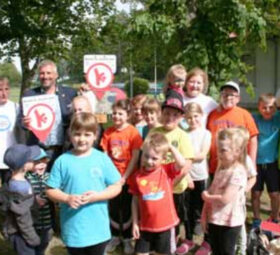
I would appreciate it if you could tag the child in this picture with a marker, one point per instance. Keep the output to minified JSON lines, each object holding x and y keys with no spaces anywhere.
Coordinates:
{"x":151,"y":112}
{"x":201,"y":141}
{"x":172,"y":112}
{"x":18,"y":225}
{"x":223,"y":212}
{"x":82,"y":180}
{"x":45,"y":216}
{"x":122,"y":143}
{"x":268,"y":123}
{"x":136,"y":117}
{"x":228,"y":114}
{"x":152,"y":195}
{"x":195,"y":87}
{"x":175,"y":80}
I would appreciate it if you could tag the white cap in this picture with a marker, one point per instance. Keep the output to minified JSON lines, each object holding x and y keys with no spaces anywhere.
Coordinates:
{"x":231,"y":84}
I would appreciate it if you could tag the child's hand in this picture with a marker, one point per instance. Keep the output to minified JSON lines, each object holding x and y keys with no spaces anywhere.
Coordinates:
{"x":40,"y":201}
{"x":190,"y":182}
{"x":89,"y":197}
{"x":205,"y":195}
{"x":135,"y":231}
{"x":74,"y":201}
{"x":204,"y":226}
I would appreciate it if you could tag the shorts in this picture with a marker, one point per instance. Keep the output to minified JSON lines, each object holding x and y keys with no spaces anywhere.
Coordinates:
{"x":159,"y":242}
{"x":268,"y":174}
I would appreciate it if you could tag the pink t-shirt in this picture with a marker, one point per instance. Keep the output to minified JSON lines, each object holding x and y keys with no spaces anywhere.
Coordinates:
{"x":233,"y":213}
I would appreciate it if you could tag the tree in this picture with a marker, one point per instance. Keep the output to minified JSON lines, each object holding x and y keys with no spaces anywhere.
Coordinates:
{"x":210,"y":34}
{"x":140,"y":86}
{"x":10,"y":71}
{"x":35,"y":29}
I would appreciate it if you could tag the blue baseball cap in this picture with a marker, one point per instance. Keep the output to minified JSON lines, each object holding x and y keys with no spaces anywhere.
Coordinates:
{"x":43,"y":154}
{"x":17,"y":155}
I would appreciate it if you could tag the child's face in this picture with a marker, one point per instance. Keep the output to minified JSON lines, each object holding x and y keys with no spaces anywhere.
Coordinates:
{"x":151,"y":117}
{"x":137,"y":112}
{"x":80,"y":106}
{"x":194,"y":119}
{"x":40,"y":166}
{"x":82,"y":141}
{"x":226,"y":152}
{"x":267,"y":109}
{"x":195,"y":86}
{"x":151,"y":159}
{"x":28,"y":166}
{"x":170,"y":118}
{"x":120,"y":117}
{"x":229,"y":98}
{"x":178,"y":81}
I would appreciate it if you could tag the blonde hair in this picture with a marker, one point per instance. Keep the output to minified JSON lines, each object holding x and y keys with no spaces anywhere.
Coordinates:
{"x":266,"y":97}
{"x":175,"y":70}
{"x":196,"y":72}
{"x":193,"y":108}
{"x":139,"y":100}
{"x":83,"y":121}
{"x":4,"y":80}
{"x":239,"y":139}
{"x":158,"y":142}
{"x":151,"y":104}
{"x":81,"y":98}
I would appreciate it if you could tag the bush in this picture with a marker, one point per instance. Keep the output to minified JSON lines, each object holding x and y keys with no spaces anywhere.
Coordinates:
{"x":140,"y":86}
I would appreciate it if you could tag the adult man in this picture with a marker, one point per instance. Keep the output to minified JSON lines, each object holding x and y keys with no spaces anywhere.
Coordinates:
{"x":62,"y":108}
{"x":8,"y":113}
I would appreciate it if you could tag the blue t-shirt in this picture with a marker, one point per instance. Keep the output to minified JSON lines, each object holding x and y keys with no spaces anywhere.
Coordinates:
{"x":268,"y":139}
{"x":20,"y":186}
{"x":89,"y":224}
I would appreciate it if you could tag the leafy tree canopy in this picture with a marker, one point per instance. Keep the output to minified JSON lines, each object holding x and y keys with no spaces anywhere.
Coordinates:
{"x":10,"y":71}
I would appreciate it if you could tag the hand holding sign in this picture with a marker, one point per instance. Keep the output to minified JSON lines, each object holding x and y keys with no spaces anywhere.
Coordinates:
{"x":39,"y":115}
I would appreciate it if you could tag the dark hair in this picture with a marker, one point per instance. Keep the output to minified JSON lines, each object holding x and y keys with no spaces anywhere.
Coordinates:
{"x":123,"y":104}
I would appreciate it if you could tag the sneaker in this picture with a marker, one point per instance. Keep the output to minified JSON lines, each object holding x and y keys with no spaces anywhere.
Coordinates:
{"x":204,"y":249}
{"x":185,"y":247}
{"x":127,"y":246}
{"x":112,"y":245}
{"x":256,"y":223}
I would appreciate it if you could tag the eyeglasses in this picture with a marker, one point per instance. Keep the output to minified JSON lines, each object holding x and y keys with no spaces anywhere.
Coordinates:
{"x":229,"y":95}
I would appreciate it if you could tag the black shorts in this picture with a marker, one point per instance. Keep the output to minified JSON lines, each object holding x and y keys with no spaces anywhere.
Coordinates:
{"x":268,"y":174}
{"x":159,"y":242}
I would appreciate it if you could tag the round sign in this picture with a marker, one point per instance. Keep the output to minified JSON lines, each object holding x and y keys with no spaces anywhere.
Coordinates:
{"x":99,"y":76}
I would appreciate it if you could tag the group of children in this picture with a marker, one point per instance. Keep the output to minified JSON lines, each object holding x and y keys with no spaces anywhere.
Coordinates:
{"x":152,"y":175}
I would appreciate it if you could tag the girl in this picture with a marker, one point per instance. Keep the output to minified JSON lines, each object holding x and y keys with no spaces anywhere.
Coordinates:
{"x":201,"y":141}
{"x":175,"y":79}
{"x":122,"y":143}
{"x":151,"y":112}
{"x":195,"y":86}
{"x":223,"y":212}
{"x":137,"y":118}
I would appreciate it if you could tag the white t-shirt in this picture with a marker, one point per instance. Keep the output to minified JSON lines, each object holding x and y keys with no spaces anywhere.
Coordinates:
{"x":8,"y":114}
{"x":199,"y":137}
{"x":207,"y":103}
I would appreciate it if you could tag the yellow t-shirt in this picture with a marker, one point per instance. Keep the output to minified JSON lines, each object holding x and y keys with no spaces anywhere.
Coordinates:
{"x":180,"y":140}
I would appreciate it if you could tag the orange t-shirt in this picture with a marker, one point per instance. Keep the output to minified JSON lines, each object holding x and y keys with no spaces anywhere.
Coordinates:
{"x":221,"y":119}
{"x":119,"y":145}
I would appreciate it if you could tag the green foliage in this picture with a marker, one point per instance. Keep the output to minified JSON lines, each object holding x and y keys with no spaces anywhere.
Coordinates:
{"x":10,"y":71}
{"x":140,"y":86}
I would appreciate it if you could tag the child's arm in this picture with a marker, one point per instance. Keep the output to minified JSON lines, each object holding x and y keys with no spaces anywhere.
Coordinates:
{"x":253,"y":147}
{"x":108,"y":193}
{"x":228,"y":195}
{"x":135,"y":217}
{"x":180,"y":161}
{"x":132,"y":164}
{"x":204,"y":218}
{"x":57,"y":195}
{"x":250,"y":183}
{"x":204,"y":152}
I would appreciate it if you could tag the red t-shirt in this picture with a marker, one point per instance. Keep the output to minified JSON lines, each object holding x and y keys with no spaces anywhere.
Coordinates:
{"x":155,"y":196}
{"x":221,"y":119}
{"x":119,"y":145}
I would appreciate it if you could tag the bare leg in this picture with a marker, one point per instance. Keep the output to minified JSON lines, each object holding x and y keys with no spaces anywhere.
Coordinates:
{"x":274,"y":200}
{"x":255,"y":198}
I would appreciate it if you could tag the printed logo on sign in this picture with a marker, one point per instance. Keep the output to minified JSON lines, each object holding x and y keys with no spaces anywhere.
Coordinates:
{"x":5,"y":123}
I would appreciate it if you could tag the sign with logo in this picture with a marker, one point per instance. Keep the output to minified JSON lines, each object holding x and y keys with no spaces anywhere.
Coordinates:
{"x":41,"y":112}
{"x":100,"y":77}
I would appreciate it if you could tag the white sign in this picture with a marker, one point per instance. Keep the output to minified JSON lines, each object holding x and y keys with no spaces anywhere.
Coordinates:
{"x":109,"y":60}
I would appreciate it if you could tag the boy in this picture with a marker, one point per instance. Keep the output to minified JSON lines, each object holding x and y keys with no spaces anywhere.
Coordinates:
{"x":228,"y":114}
{"x":45,"y":217}
{"x":152,"y":194}
{"x":268,"y":122}
{"x":82,"y":180}
{"x":172,"y":113}
{"x":17,"y":199}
